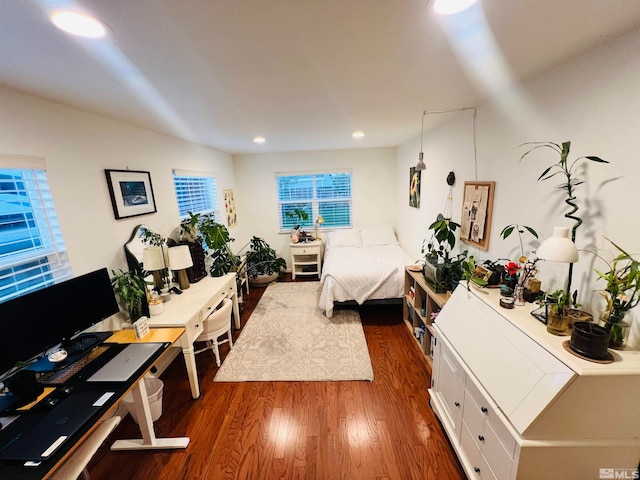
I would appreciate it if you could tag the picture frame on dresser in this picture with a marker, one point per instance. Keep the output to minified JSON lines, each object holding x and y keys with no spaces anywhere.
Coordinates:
{"x":131,"y":193}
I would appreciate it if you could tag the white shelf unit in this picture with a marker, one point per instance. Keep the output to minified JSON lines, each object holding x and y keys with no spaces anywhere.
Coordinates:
{"x":420,"y":301}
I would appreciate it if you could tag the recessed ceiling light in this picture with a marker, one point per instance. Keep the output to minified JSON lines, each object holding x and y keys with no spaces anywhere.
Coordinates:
{"x":358,"y":134}
{"x":259,"y":140}
{"x":448,"y":7}
{"x":79,"y":24}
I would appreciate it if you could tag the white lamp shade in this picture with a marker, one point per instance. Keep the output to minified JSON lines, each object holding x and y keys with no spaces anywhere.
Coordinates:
{"x":320,"y":220}
{"x":558,"y":248}
{"x":180,"y":257}
{"x":152,"y":259}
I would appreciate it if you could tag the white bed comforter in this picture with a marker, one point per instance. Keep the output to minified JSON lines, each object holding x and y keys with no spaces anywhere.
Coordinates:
{"x":362,"y":273}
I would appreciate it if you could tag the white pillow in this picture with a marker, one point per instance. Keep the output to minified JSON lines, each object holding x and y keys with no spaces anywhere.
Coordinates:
{"x":344,"y":238}
{"x":382,"y":235}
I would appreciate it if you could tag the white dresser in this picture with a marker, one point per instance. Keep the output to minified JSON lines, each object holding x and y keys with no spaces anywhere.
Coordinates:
{"x":516,"y":405}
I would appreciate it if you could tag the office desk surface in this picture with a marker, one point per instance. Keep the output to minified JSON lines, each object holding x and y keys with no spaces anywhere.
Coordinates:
{"x":16,"y":470}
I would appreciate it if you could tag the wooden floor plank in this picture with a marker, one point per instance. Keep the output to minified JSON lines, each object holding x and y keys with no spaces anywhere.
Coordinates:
{"x":383,"y":429}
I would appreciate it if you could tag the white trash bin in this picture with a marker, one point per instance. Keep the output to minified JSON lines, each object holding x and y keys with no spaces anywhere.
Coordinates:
{"x":154,"y":388}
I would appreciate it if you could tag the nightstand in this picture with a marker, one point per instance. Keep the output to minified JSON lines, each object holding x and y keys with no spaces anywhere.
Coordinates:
{"x":306,"y":258}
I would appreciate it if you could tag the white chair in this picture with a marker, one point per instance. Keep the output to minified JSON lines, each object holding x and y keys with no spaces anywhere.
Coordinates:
{"x":215,"y":325}
{"x":76,"y":465}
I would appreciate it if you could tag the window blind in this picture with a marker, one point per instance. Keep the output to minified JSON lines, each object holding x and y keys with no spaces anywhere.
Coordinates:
{"x":326,"y":194}
{"x":32,"y":251}
{"x":195,"y":192}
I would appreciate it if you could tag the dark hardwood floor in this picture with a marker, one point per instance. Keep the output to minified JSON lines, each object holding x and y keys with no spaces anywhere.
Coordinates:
{"x":383,"y":429}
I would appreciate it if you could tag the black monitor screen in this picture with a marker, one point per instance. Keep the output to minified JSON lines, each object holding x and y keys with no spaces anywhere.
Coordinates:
{"x":31,"y":324}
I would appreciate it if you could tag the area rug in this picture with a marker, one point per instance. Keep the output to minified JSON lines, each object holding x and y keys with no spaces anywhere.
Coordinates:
{"x":288,"y":338}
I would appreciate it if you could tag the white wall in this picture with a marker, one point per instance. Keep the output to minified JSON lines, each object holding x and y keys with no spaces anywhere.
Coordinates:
{"x":373,"y":189}
{"x":593,"y":102}
{"x":78,"y":146}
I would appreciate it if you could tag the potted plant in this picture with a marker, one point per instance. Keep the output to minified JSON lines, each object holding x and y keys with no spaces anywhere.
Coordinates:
{"x":132,"y":291}
{"x":263,"y":264}
{"x":565,"y":169}
{"x":190,"y":236}
{"x":621,"y":293}
{"x":514,"y":227}
{"x":298,"y":234}
{"x":217,"y":239}
{"x":442,"y":271}
{"x":559,"y":305}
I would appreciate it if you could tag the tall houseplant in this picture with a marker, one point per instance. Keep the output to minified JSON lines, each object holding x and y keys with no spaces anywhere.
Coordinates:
{"x":217,"y":239}
{"x":564,"y":168}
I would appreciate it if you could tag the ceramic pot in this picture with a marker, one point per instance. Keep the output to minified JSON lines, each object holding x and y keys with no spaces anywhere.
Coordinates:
{"x":590,"y":340}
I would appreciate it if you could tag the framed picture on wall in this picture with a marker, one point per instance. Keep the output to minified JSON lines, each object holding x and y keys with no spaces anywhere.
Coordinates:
{"x":131,"y":193}
{"x":477,"y":208}
{"x":414,"y":187}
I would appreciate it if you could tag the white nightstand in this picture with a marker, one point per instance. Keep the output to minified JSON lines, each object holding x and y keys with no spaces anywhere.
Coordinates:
{"x":306,"y":258}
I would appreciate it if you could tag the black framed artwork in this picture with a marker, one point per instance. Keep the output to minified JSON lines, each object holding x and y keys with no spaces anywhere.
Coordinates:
{"x":131,"y":193}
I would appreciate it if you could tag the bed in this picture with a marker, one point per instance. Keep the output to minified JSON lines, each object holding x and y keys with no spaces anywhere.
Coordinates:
{"x":362,"y":265}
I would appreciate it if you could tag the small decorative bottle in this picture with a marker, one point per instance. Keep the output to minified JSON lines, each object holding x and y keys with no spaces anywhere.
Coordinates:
{"x":518,"y":295}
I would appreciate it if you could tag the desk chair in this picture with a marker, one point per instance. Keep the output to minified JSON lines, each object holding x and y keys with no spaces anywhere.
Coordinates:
{"x":215,"y":325}
{"x":76,"y":465}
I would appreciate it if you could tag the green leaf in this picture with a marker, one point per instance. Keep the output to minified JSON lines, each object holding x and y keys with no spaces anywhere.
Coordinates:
{"x":531,"y":231}
{"x":506,"y":231}
{"x":595,"y":159}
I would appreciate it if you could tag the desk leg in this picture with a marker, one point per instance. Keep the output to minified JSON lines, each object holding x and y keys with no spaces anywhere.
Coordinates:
{"x":236,"y":311}
{"x":149,"y":440}
{"x":192,"y":371}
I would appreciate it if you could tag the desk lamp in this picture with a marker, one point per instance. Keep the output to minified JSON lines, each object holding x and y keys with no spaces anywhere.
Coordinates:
{"x":153,"y":261}
{"x":319,"y":221}
{"x":179,"y":261}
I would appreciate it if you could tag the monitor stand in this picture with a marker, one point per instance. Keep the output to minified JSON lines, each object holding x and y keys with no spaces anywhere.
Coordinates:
{"x":76,"y":348}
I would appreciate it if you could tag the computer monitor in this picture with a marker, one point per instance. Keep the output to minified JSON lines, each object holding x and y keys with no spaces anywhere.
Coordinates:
{"x":33,"y":323}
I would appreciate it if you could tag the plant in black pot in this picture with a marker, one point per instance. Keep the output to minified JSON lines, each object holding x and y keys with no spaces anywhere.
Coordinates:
{"x":263,"y":264}
{"x":442,"y":271}
{"x":190,"y":236}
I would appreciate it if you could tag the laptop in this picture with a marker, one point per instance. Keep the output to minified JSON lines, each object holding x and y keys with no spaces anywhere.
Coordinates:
{"x":121,"y":367}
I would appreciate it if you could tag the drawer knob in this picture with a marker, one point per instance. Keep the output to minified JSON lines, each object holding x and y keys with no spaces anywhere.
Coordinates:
{"x":457,"y":404}
{"x":484,"y":409}
{"x":476,"y":469}
{"x":481,"y":438}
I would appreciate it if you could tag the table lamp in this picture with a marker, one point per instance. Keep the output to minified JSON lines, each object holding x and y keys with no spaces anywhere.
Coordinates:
{"x":319,"y":221}
{"x":179,"y":261}
{"x":153,"y":261}
{"x":559,"y":248}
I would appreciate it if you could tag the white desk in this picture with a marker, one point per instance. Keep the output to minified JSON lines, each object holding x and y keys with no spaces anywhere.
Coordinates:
{"x":190,"y":309}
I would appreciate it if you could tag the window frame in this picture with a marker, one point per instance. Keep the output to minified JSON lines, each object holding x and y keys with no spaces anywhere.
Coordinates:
{"x":315,"y":200}
{"x":214,"y":195}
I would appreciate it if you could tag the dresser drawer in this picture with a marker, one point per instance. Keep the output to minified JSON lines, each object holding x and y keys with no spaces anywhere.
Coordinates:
{"x":486,"y":440}
{"x":305,"y":250}
{"x":480,"y":469}
{"x":490,"y":412}
{"x":212,"y":304}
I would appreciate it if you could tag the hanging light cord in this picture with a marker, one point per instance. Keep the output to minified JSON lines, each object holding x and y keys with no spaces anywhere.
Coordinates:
{"x":473,"y":134}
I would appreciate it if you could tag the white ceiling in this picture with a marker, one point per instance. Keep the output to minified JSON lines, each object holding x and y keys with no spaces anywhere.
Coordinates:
{"x":303,"y":73}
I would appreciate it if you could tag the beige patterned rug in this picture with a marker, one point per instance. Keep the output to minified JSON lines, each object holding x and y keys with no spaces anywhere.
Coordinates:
{"x":289,"y":338}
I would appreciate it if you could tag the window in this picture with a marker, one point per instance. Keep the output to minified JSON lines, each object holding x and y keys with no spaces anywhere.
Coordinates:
{"x":32,"y":250}
{"x":326,"y":194}
{"x":196,"y":192}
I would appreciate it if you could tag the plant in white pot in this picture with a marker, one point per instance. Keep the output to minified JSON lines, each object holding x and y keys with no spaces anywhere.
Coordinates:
{"x":263,"y":264}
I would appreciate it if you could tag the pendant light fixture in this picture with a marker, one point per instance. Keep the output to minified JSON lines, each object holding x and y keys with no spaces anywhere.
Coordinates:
{"x":421,"y":165}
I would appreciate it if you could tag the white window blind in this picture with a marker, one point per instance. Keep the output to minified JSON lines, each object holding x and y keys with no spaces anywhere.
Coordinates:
{"x":326,"y":194}
{"x":32,"y":251}
{"x":196,"y":192}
